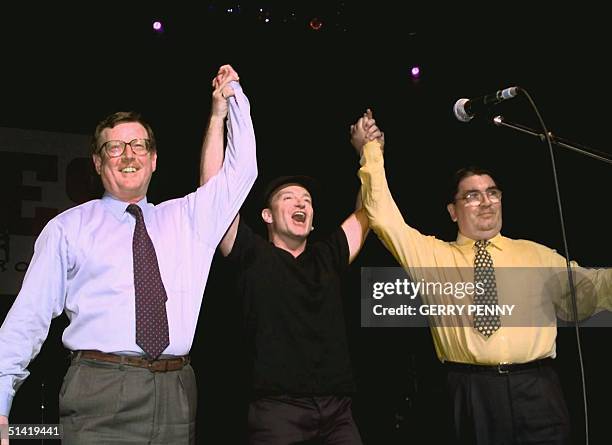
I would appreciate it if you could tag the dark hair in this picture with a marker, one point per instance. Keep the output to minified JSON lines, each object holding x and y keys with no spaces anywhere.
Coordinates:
{"x":463,"y":173}
{"x":117,"y":118}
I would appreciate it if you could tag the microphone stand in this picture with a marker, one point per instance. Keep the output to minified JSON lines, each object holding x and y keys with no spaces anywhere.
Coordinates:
{"x":549,"y":138}
{"x":501,"y":122}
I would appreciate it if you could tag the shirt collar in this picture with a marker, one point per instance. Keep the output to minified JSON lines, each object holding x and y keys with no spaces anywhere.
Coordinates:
{"x":117,"y":207}
{"x":497,"y":241}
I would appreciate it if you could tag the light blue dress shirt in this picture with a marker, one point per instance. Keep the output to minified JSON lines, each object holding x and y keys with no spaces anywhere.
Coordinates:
{"x":82,"y":264}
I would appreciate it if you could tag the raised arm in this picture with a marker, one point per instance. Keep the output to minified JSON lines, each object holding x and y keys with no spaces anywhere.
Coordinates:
{"x":212,"y":148}
{"x":410,"y":248}
{"x":356,"y":227}
{"x":227,"y":98}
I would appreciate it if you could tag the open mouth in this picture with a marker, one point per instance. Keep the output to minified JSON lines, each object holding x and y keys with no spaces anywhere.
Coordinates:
{"x":299,"y":216}
{"x":129,"y":169}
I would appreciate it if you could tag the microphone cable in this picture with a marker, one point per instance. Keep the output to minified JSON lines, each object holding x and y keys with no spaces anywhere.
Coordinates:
{"x":574,"y":305}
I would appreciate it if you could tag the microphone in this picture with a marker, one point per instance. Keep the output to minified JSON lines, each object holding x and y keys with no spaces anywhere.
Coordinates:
{"x":466,"y":109}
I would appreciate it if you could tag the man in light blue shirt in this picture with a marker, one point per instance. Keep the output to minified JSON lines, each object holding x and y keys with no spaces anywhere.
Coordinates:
{"x":83,"y":265}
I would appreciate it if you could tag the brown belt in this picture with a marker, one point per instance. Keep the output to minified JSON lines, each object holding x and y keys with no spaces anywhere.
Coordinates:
{"x":160,"y":365}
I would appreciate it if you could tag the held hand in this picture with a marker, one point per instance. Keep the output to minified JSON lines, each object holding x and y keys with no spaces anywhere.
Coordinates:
{"x":359,"y":134}
{"x":222,"y":90}
{"x":365,"y":130}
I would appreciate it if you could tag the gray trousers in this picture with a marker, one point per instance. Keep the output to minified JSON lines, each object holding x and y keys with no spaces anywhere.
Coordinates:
{"x":107,"y":403}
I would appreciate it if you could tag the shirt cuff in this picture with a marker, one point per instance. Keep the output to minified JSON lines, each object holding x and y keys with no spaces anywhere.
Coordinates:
{"x":371,"y":153}
{"x":6,"y":400}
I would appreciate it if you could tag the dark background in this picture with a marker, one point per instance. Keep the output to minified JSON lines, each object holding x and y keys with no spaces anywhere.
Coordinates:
{"x":63,"y":69}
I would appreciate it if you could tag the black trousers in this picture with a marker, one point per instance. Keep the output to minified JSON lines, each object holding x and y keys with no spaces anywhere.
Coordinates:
{"x":518,"y":407}
{"x":284,"y":420}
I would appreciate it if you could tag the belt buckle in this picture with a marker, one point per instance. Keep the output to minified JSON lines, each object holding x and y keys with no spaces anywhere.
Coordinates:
{"x":501,"y":369}
{"x":157,"y":365}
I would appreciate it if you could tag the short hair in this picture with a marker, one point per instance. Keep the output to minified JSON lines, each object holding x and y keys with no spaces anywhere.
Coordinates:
{"x":117,"y":118}
{"x":463,"y":173}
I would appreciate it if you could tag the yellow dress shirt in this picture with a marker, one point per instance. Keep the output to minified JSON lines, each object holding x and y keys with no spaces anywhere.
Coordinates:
{"x":424,"y":257}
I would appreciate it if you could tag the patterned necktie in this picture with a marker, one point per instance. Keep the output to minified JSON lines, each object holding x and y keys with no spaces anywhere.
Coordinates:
{"x":485,"y":274}
{"x":151,"y":319}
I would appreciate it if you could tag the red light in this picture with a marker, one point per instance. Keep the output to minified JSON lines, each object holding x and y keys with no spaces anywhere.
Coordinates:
{"x":315,"y":24}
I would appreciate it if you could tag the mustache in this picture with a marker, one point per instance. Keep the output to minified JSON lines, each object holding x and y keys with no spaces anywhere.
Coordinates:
{"x":129,"y":163}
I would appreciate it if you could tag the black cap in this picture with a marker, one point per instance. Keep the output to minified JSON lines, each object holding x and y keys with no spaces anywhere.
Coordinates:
{"x":307,"y":182}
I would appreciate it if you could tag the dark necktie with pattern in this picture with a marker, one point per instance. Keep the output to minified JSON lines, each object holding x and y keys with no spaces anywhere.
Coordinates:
{"x":485,"y":274}
{"x":151,"y":319}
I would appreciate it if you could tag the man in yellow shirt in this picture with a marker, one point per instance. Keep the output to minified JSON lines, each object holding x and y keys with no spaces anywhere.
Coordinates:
{"x":502,"y":387}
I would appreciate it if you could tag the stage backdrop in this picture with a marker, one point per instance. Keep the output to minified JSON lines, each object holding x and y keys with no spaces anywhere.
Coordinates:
{"x":41,"y":174}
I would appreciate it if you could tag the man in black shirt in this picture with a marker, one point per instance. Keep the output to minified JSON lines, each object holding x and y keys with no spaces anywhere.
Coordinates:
{"x":302,"y":378}
{"x":301,"y":368}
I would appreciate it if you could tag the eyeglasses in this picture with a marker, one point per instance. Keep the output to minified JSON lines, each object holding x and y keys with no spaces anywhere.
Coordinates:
{"x":114,"y":149}
{"x":475,"y":197}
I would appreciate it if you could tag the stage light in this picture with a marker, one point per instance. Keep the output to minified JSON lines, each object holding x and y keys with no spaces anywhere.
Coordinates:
{"x":315,"y":24}
{"x":415,"y":72}
{"x":158,"y":27}
{"x":266,"y":16}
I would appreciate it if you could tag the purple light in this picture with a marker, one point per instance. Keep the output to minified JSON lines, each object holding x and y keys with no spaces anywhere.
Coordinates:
{"x":415,"y":71}
{"x":157,"y":26}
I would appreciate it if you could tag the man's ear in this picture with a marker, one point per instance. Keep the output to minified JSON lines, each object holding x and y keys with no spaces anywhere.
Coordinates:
{"x":451,"y":211}
{"x":266,"y":215}
{"x":154,"y":160}
{"x":97,"y":160}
